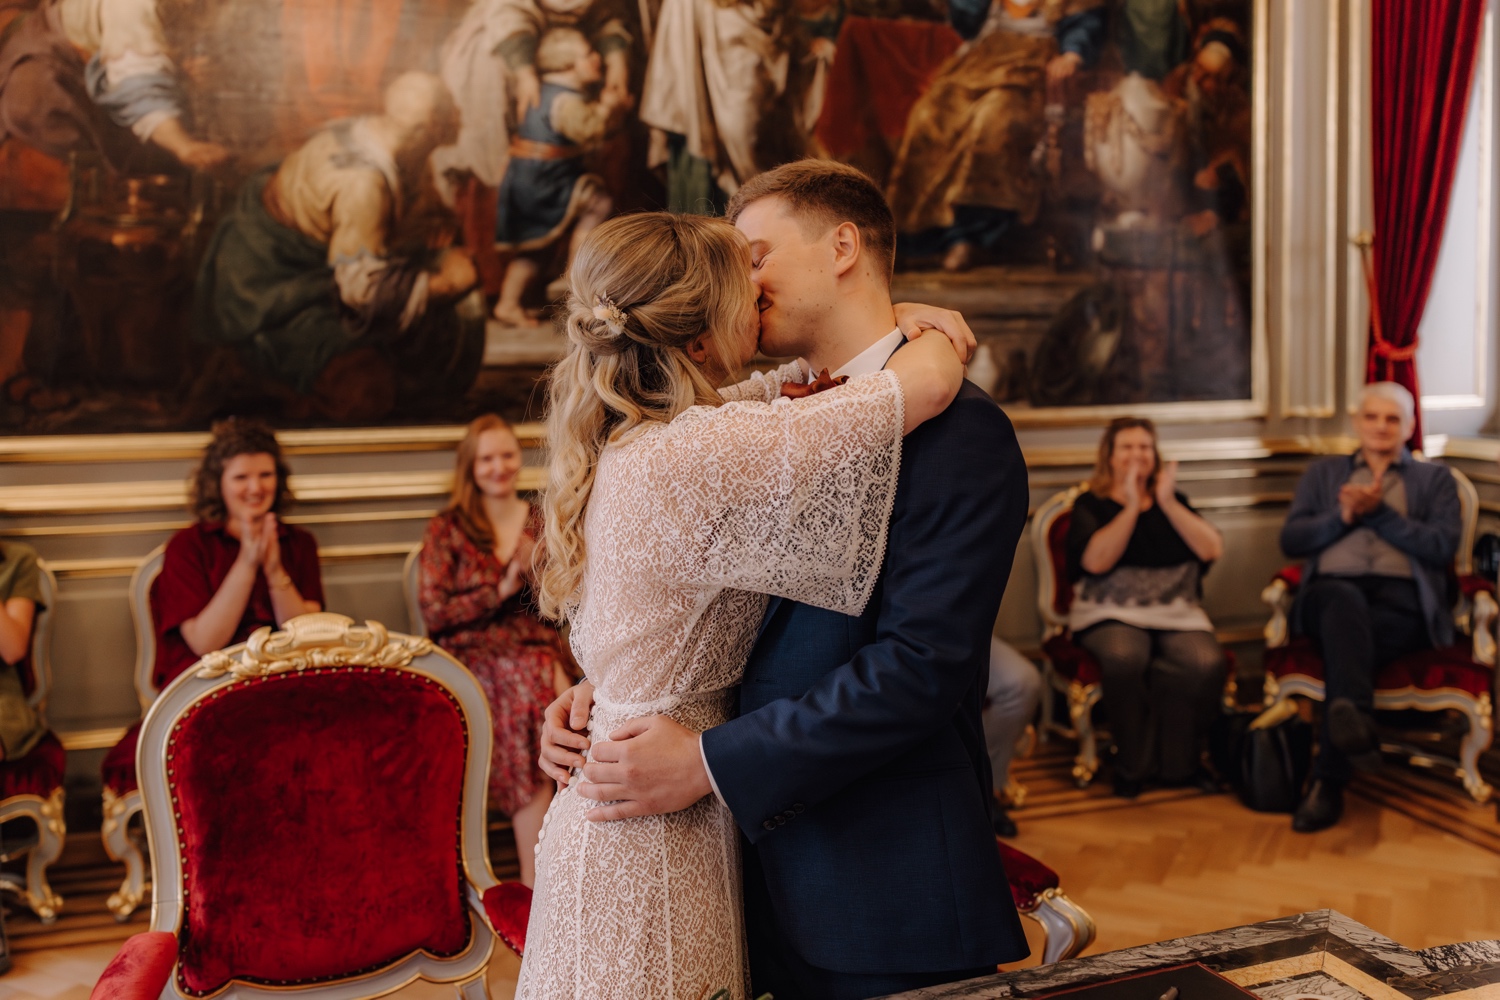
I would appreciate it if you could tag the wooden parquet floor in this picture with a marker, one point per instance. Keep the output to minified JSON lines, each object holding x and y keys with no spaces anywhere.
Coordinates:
{"x":1166,"y":865}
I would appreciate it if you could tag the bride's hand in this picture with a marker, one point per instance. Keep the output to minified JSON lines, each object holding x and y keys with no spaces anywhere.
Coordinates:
{"x":563,"y":726}
{"x":914,"y":319}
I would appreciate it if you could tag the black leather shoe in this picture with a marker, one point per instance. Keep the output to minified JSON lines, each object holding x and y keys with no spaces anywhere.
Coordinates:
{"x":1352,"y":731}
{"x":1127,"y":788}
{"x":1320,"y":808}
{"x":1000,"y":819}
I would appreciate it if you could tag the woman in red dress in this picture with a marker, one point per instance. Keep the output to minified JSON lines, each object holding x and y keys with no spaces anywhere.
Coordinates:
{"x":238,"y":567}
{"x":475,"y":596}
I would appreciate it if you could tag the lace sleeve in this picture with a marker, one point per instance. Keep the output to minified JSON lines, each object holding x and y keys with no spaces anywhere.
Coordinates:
{"x":762,"y":387}
{"x":790,"y":498}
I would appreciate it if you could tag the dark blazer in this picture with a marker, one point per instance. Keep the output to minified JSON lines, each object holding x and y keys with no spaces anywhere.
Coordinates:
{"x":1428,"y":534}
{"x":857,"y":767}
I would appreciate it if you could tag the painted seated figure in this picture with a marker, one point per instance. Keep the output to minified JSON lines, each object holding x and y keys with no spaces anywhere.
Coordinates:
{"x":308,"y":283}
{"x":1379,"y":531}
{"x":963,"y":179}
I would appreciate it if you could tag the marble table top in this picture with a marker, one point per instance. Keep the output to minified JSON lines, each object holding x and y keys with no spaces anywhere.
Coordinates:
{"x":1320,"y":954}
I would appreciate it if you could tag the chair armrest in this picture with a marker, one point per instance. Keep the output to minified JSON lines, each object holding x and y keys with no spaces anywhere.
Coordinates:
{"x":1482,"y":626}
{"x":1279,"y":595}
{"x":141,"y":969}
{"x":508,"y":907}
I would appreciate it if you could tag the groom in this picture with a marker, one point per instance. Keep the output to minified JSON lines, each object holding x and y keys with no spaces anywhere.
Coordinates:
{"x":856,"y":768}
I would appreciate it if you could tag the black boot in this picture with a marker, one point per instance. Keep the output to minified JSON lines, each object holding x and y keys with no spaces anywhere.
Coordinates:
{"x":1352,"y":731}
{"x":1003,"y":825}
{"x":1320,"y":808}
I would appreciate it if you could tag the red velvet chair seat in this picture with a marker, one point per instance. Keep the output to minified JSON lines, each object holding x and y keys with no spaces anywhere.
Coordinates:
{"x":1028,"y":877}
{"x":1072,"y":660}
{"x":40,"y":772}
{"x":508,"y":905}
{"x":1430,"y":670}
{"x":119,"y":763}
{"x":317,"y":816}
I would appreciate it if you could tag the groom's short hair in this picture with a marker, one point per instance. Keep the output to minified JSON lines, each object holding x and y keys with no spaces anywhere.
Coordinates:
{"x":829,"y":193}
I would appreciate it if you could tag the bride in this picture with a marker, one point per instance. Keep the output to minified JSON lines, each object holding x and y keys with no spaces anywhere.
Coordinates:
{"x":673,"y":510}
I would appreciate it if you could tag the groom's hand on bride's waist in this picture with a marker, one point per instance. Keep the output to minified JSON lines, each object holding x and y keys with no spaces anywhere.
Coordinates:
{"x":646,"y":767}
{"x":563,"y":727}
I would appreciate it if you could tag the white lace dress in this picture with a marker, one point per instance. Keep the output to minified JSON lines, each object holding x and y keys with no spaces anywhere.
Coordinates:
{"x":690,"y":525}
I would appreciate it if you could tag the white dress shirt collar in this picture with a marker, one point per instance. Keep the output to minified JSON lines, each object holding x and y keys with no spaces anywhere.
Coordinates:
{"x":871,"y":359}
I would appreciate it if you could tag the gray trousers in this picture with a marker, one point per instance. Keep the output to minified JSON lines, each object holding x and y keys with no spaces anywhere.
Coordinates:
{"x":1011,"y":699}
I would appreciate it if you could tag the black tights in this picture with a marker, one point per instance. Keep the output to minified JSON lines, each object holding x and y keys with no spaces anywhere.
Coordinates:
{"x":1160,"y":690}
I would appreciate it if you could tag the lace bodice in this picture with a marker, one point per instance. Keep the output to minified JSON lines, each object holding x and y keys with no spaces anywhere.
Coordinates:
{"x":689,"y":527}
{"x":692,"y":524}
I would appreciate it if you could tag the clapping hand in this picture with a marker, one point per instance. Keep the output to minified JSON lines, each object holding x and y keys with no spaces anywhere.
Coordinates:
{"x":1166,"y":484}
{"x":270,"y":546}
{"x":1357,"y":501}
{"x":1130,"y":486}
{"x":518,"y":570}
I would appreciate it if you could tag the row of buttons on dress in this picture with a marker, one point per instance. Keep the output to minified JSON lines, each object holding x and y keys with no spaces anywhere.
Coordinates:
{"x":780,"y":820}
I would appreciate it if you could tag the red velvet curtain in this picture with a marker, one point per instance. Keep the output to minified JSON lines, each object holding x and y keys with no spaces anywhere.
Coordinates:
{"x":1422,"y":67}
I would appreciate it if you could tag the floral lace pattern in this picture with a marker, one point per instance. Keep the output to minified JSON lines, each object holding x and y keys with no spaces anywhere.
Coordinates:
{"x":689,"y":527}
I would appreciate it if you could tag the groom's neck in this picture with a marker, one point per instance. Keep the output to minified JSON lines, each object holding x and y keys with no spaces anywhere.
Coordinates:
{"x":856,"y":323}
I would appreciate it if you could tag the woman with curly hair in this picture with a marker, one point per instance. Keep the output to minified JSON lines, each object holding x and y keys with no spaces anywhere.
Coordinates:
{"x":477,"y":602}
{"x":237,"y":567}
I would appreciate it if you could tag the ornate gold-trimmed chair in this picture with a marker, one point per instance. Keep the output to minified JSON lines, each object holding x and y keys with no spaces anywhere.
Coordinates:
{"x":411,"y":590}
{"x":1037,"y":892}
{"x":280,"y":777}
{"x":122,"y":796}
{"x":1068,"y":668}
{"x":32,"y":787}
{"x":1460,"y":677}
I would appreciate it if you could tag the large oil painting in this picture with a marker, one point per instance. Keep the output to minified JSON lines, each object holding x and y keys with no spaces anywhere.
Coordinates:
{"x":357,"y":212}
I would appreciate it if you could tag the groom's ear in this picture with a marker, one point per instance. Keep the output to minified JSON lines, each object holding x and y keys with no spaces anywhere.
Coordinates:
{"x":848,"y":248}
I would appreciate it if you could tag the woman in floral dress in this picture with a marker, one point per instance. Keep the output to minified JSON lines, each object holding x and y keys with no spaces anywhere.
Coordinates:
{"x":476,"y":601}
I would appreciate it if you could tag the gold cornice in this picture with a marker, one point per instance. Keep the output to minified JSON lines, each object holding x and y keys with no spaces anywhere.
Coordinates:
{"x":189,"y":445}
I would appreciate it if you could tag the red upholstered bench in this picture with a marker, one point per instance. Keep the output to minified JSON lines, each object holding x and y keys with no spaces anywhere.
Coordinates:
{"x":32,"y":786}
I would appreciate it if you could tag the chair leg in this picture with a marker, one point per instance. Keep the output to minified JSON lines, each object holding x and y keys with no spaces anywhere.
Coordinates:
{"x":477,"y":988}
{"x":1081,"y":701}
{"x":118,"y":844}
{"x":1478,"y":739}
{"x":51,"y":831}
{"x":1069,"y":928}
{"x":1049,"y":723}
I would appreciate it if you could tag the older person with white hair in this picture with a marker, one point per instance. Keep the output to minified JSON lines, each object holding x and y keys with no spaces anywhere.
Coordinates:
{"x":1379,"y":531}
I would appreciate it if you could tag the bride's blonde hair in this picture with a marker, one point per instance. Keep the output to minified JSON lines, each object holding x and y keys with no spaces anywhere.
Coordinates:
{"x":641,"y":288}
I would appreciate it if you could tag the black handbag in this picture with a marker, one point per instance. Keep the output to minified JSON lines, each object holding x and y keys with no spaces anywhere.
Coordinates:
{"x":1266,"y":760}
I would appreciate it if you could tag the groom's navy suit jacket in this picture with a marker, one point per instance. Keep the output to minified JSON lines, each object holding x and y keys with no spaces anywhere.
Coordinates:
{"x":857,"y":767}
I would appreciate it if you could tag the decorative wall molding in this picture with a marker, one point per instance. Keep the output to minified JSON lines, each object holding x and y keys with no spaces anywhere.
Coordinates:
{"x":188,"y":446}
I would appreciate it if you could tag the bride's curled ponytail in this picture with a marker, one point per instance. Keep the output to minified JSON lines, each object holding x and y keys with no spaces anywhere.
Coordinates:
{"x":641,"y":288}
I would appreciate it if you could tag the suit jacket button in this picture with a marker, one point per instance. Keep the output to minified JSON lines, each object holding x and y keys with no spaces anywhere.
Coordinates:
{"x":797,"y":807}
{"x":769,"y":824}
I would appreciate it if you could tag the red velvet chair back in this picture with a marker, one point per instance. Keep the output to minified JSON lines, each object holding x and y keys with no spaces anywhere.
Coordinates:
{"x":1049,"y":546}
{"x":315,"y":801}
